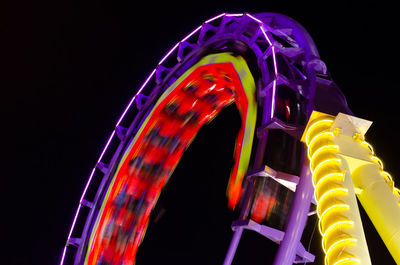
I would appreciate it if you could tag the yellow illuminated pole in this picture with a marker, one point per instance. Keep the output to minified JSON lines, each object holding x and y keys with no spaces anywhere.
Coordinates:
{"x":343,"y":239}
{"x":374,"y":187}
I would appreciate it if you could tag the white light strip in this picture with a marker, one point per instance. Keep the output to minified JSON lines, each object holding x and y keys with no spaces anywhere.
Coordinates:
{"x":255,"y":19}
{"x":105,"y":148}
{"x":87,"y":186}
{"x":214,"y":18}
{"x":63,"y":255}
{"x":273,"y":98}
{"x":265,"y":35}
{"x":191,"y":34}
{"x":274,"y":60}
{"x":234,"y":15}
{"x":140,"y":90}
{"x":168,"y":53}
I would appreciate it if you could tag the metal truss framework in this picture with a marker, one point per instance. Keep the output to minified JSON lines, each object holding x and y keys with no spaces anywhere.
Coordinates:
{"x":280,"y":54}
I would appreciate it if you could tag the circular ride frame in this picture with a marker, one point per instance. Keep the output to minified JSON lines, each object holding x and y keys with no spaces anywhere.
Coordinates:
{"x":279,"y":52}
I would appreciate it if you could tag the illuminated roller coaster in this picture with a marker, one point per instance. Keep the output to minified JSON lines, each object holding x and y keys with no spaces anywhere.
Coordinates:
{"x":297,"y":139}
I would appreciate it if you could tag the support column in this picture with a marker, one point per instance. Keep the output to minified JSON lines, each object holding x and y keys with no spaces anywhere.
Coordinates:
{"x":297,"y":217}
{"x":233,"y":246}
{"x":381,"y":205}
{"x":343,"y":239}
{"x":374,"y":187}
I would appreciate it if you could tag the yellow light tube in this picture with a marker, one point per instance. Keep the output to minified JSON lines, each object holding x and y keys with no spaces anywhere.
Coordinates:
{"x":324,"y":148}
{"x":367,"y":145}
{"x":376,"y":160}
{"x":328,"y":177}
{"x":337,"y":207}
{"x":341,"y":242}
{"x":339,"y":220}
{"x":325,"y":163}
{"x":337,"y":225}
{"x":332,"y":191}
{"x":347,"y":261}
{"x":327,"y":122}
{"x":315,"y":139}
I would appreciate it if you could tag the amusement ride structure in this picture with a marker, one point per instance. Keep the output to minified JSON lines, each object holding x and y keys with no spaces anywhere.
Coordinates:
{"x":299,"y":145}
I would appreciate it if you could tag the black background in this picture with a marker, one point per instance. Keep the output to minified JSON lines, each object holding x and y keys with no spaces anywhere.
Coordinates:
{"x":70,"y":68}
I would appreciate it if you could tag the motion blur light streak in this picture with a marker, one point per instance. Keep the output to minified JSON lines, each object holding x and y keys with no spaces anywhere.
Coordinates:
{"x":159,"y":146}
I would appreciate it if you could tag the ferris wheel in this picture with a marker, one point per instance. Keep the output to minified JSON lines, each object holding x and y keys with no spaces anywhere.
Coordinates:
{"x":268,"y":66}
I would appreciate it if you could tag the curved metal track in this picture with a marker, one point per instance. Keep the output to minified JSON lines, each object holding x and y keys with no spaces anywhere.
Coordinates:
{"x":283,"y":61}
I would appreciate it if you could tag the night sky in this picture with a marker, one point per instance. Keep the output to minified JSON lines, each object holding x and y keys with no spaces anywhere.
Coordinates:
{"x":69,"y":69}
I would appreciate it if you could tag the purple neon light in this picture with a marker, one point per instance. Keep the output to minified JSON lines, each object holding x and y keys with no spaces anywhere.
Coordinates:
{"x":273,"y":98}
{"x":168,"y":54}
{"x":98,"y":161}
{"x":133,"y":99}
{"x":144,"y":85}
{"x":104,"y":150}
{"x":235,"y":15}
{"x":83,"y":195}
{"x":265,"y":35}
{"x":88,"y":183}
{"x":102,"y":154}
{"x":255,"y":19}
{"x":191,"y":34}
{"x":63,"y":254}
{"x":216,"y":17}
{"x":274,"y":83}
{"x":76,"y":217}
{"x":274,"y":62}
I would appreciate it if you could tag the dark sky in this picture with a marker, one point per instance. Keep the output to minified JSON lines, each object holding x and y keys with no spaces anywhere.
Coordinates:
{"x":70,"y":68}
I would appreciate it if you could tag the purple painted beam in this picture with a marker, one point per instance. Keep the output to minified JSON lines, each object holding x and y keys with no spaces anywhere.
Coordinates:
{"x":269,"y":232}
{"x":275,"y":235}
{"x":297,"y":217}
{"x":233,"y":246}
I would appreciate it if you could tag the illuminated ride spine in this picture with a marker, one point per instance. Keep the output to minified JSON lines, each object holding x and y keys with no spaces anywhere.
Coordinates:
{"x":268,"y":66}
{"x":344,"y":165}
